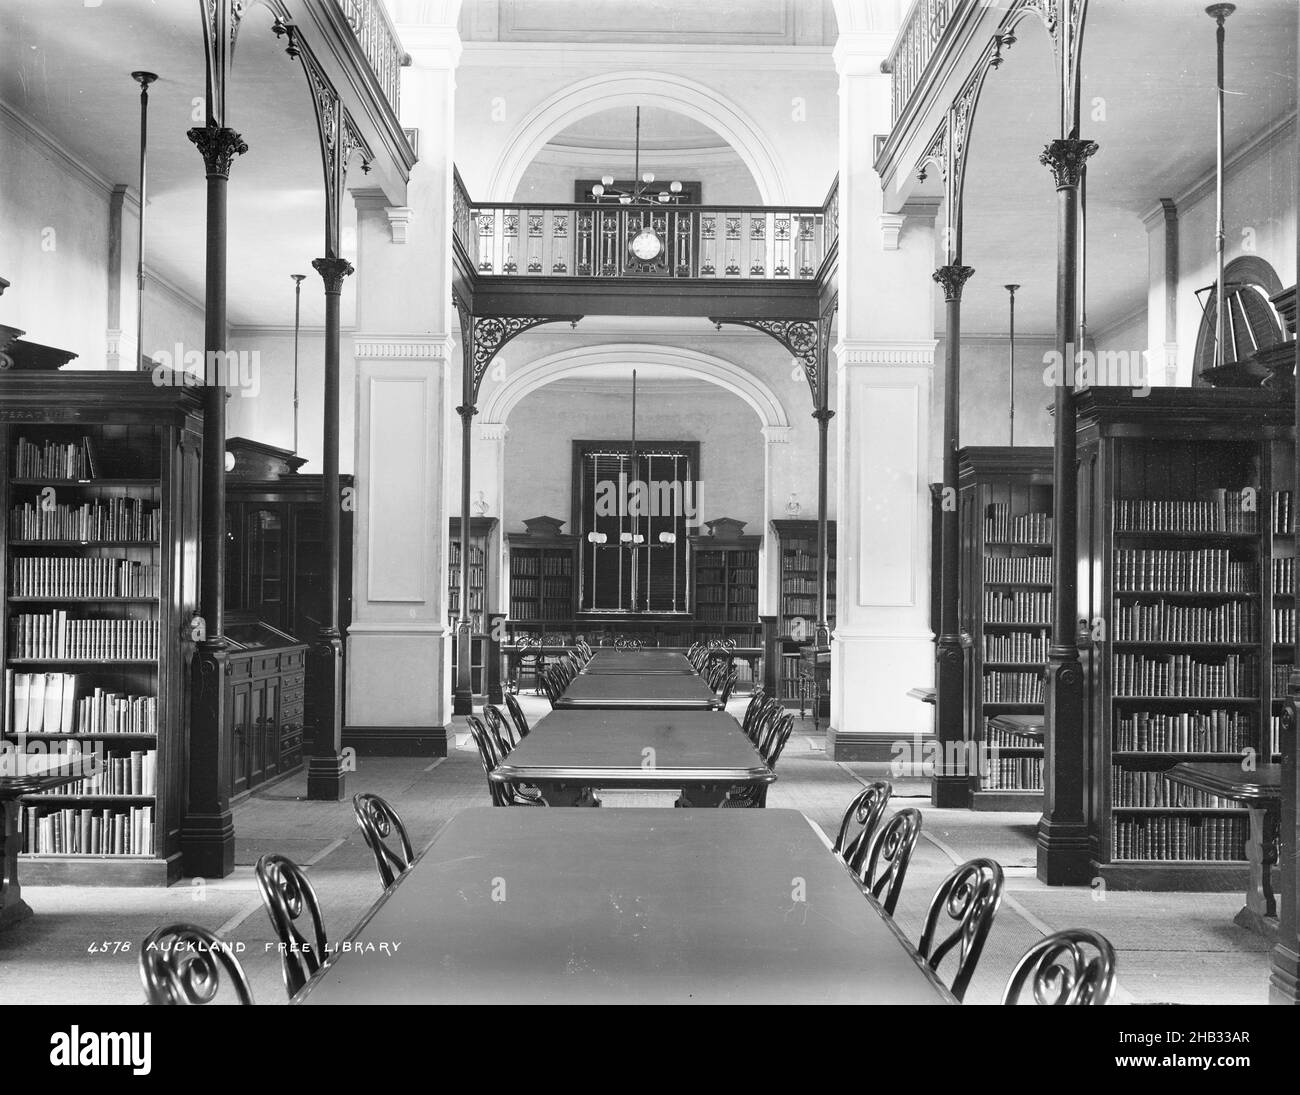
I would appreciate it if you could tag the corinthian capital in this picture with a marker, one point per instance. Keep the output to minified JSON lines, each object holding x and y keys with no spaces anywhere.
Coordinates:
{"x":332,"y":272}
{"x":1067,"y":158}
{"x":952,"y":278}
{"x":218,"y":146}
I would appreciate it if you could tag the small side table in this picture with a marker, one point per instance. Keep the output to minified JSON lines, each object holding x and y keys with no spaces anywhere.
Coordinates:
{"x":1261,"y":792}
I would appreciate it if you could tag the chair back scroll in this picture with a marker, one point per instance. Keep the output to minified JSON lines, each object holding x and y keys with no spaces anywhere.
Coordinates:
{"x":886,"y":862}
{"x":381,"y":827}
{"x":1059,"y":971}
{"x":859,"y":823}
{"x":183,"y":964}
{"x":970,"y":897}
{"x":288,"y":896}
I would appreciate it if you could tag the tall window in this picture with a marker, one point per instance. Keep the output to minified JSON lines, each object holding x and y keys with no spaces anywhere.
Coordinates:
{"x":639,"y":514}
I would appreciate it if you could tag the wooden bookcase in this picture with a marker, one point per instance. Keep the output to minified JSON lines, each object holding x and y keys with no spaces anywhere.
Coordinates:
{"x":543,"y":577}
{"x":126,"y":449}
{"x":725,"y":577}
{"x":797,"y":608}
{"x":481,"y":531}
{"x":275,"y":545}
{"x":1004,"y":513}
{"x":1176,"y":493}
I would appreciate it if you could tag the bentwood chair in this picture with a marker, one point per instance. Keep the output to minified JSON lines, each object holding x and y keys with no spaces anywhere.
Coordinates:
{"x":288,"y":896}
{"x":380,"y":824}
{"x":530,"y":661}
{"x":503,"y":794}
{"x":1058,"y":970}
{"x":517,"y":713}
{"x":183,"y":964}
{"x":885,"y":865}
{"x":752,"y":796}
{"x":553,"y":684}
{"x":500,"y":728}
{"x":859,"y":823}
{"x":756,"y":700}
{"x":728,"y":682}
{"x":970,"y":897}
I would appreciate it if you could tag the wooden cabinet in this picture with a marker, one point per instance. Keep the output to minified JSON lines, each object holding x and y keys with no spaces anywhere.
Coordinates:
{"x":275,"y":548}
{"x":99,"y":487}
{"x":265,"y":686}
{"x":725,"y":581}
{"x":797,"y":607}
{"x":543,"y":572}
{"x":1005,"y":613}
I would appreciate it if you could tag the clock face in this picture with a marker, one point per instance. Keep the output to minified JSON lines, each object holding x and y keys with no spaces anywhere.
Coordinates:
{"x":646,"y":245}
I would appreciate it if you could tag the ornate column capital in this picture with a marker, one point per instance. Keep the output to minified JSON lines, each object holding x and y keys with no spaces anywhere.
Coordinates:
{"x":332,"y":272}
{"x":467,"y":411}
{"x":823,"y":414}
{"x":218,"y":146}
{"x":952,"y":278}
{"x":1066,"y":158}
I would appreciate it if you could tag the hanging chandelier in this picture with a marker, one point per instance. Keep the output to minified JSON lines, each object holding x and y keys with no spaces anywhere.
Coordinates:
{"x":642,"y":191}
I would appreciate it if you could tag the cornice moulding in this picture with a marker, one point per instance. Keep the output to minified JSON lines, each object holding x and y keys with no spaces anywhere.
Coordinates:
{"x":1257,"y":145}
{"x":402,"y":347}
{"x":616,"y":55}
{"x":42,"y":137}
{"x":899,"y":353}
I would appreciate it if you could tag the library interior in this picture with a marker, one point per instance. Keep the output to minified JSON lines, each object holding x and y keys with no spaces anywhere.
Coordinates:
{"x":852,"y":444}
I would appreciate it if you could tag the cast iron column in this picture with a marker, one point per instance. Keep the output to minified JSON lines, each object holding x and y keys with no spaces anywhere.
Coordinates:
{"x":208,"y":830}
{"x":325,"y":778}
{"x":949,"y":785}
{"x":463,"y":694}
{"x":1063,"y":846}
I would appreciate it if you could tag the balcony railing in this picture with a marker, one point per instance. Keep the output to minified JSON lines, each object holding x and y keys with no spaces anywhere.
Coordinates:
{"x":923,"y":29}
{"x":690,"y":241}
{"x":378,"y":39}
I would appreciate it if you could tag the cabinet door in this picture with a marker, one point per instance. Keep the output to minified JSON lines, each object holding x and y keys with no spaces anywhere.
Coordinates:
{"x":236,"y":592}
{"x":265,"y":535}
{"x":271,"y":729}
{"x":238,"y":737}
{"x":310,"y":605}
{"x":256,"y":732}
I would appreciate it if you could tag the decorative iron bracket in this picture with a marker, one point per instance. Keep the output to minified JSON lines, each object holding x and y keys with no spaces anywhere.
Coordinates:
{"x":483,"y":337}
{"x":805,"y":339}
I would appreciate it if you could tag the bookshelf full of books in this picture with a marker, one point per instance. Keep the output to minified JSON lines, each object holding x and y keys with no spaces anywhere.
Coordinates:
{"x":99,"y":480}
{"x":796,"y":541}
{"x":480,"y":544}
{"x":1185,"y":552}
{"x":542,"y":570}
{"x":725,"y":579}
{"x":1005,"y":584}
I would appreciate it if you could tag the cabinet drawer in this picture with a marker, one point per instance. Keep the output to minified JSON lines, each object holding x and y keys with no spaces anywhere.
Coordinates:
{"x":293,"y":659}
{"x":239,"y":669}
{"x":290,"y":713}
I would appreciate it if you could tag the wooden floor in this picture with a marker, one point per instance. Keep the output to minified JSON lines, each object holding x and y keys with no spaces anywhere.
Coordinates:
{"x":1180,"y":948}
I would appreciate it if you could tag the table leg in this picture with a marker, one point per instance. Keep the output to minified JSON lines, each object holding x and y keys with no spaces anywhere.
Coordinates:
{"x":12,"y":906}
{"x":1260,"y":912}
{"x":703,"y":795}
{"x":567,"y":794}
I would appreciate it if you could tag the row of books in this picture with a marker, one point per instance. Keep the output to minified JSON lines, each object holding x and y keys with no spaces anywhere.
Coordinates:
{"x":1281,"y":678}
{"x":1013,"y":774}
{"x":134,"y":520}
{"x":1209,"y":570}
{"x":55,"y":459}
{"x":806,"y":586}
{"x":1147,"y":787}
{"x":1159,"y":621}
{"x":541,"y":610}
{"x":1284,"y":576}
{"x":82,"y":576}
{"x":477,"y":576}
{"x":802,"y":560}
{"x":1273,"y":746}
{"x":133,"y":774}
{"x":477,"y":556}
{"x":56,"y":703}
{"x":531,"y":588}
{"x":475,"y":600}
{"x":88,"y":832}
{"x":1166,"y":838}
{"x":1024,"y":528}
{"x":725,"y":558}
{"x":1284,"y":625}
{"x":995,"y":737}
{"x":735,"y":578}
{"x":549,"y":566}
{"x":1223,"y":511}
{"x":52,"y":635}
{"x":1214,"y":731}
{"x":1012,"y":687}
{"x":1016,"y":646}
{"x":1017,"y":608}
{"x":1283,"y":518}
{"x":1179,"y":675}
{"x":718,"y":614}
{"x":1029,"y":569}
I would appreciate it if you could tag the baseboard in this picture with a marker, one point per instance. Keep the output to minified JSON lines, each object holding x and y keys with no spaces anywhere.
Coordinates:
{"x":396,"y":741}
{"x":849,"y":746}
